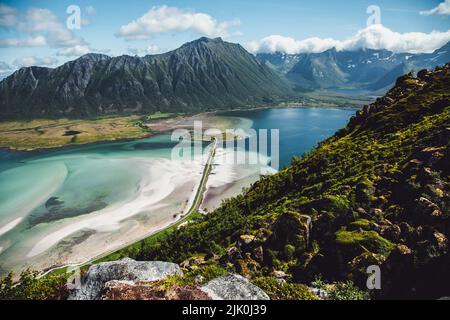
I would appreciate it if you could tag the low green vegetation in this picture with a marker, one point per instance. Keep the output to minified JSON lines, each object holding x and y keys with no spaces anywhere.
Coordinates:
{"x":341,"y":290}
{"x":279,"y":290}
{"x":30,"y":287}
{"x":161,"y":115}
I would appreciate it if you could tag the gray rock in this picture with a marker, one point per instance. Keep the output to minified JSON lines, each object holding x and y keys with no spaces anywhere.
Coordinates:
{"x":322,"y":294}
{"x":233,"y":287}
{"x":123,"y":270}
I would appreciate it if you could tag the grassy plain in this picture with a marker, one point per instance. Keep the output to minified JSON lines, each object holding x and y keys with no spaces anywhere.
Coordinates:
{"x":50,"y":133}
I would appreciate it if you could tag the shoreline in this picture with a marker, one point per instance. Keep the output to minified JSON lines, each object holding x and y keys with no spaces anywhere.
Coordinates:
{"x":147,"y":134}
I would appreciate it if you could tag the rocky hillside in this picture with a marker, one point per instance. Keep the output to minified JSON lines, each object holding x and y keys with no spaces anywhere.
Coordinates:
{"x":201,"y":75}
{"x":376,"y":193}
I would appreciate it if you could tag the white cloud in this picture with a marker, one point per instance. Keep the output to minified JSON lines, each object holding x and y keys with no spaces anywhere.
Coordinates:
{"x":37,"y":41}
{"x":171,"y":19}
{"x":150,"y":49}
{"x":45,"y":21}
{"x":278,"y":43}
{"x":35,"y":61}
{"x":77,"y":50}
{"x":8,"y":16}
{"x":90,"y":10}
{"x":38,"y":28}
{"x":373,"y":37}
{"x":5,"y":70}
{"x":442,"y":9}
{"x":4,"y":67}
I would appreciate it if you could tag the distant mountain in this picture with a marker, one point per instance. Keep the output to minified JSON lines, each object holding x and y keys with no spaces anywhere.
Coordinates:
{"x":365,"y":69}
{"x":201,"y":75}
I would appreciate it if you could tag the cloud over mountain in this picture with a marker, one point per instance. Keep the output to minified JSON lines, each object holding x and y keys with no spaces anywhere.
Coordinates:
{"x":373,"y":37}
{"x":35,"y":61}
{"x":37,"y":28}
{"x":162,"y":19}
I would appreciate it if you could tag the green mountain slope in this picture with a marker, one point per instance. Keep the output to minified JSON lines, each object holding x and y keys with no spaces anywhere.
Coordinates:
{"x":376,"y":193}
{"x":205,"y":74}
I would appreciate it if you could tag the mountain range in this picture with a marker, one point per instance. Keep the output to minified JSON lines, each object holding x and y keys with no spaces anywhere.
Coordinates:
{"x":363,"y":69}
{"x":205,"y":74}
{"x":202,"y":75}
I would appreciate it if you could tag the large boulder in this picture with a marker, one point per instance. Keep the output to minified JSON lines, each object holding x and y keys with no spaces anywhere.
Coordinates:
{"x":124,"y":270}
{"x":124,"y":290}
{"x":233,"y":287}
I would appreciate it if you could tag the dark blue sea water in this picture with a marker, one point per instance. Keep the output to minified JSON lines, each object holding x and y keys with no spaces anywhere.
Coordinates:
{"x":300,"y":129}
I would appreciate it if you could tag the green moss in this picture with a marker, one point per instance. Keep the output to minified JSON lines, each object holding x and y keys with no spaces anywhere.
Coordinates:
{"x":339,"y":203}
{"x":284,"y":291}
{"x":370,"y":240}
{"x":198,"y":276}
{"x":361,"y":223}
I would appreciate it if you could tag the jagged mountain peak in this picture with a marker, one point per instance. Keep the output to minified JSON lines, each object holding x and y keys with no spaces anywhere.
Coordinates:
{"x":362,"y":69}
{"x":201,"y":75}
{"x":94,"y":57}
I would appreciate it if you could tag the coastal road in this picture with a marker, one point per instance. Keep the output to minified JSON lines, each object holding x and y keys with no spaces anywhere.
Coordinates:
{"x":202,"y":187}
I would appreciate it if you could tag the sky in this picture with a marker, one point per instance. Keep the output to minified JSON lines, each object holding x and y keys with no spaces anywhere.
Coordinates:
{"x":49,"y":33}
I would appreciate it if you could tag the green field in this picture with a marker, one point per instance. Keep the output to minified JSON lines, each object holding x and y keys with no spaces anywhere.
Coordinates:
{"x":34,"y":134}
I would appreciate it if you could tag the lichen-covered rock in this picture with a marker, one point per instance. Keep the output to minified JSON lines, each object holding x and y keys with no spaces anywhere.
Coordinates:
{"x":291,"y":228}
{"x":123,"y":270}
{"x":125,"y":290}
{"x":233,"y":287}
{"x":244,"y":243}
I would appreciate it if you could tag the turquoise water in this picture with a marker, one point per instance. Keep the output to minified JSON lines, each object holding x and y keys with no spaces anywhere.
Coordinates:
{"x":78,"y":179}
{"x":43,"y":194}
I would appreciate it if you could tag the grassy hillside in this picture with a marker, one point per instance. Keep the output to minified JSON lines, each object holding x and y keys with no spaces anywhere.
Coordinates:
{"x":376,"y":193}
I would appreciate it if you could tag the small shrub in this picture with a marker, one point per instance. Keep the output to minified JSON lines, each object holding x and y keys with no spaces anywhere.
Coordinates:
{"x":29,"y":287}
{"x":284,"y":291}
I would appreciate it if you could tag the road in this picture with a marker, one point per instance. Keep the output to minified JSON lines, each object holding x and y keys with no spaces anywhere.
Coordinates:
{"x":202,"y":187}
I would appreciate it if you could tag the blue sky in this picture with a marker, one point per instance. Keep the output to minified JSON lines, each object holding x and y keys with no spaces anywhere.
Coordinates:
{"x":35,"y":32}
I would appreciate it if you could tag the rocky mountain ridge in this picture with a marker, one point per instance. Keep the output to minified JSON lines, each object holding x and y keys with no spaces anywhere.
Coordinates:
{"x":365,"y":69}
{"x":205,"y":74}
